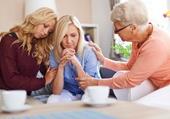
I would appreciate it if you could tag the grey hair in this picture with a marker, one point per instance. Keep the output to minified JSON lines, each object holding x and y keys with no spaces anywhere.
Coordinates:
{"x":130,"y":12}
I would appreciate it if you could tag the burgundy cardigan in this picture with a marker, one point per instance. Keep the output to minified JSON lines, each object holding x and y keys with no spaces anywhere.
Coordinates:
{"x":18,"y":70}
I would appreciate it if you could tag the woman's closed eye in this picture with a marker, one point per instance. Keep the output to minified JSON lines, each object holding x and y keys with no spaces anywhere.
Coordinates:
{"x":46,"y":26}
{"x":65,"y":36}
{"x":73,"y":35}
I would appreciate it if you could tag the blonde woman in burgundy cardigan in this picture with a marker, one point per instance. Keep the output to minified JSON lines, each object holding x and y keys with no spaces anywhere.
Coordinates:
{"x":24,"y":50}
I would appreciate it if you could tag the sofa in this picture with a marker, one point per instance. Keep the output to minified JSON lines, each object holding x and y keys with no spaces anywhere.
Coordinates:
{"x":159,"y":98}
{"x":145,"y":93}
{"x":129,"y":94}
{"x":135,"y":93}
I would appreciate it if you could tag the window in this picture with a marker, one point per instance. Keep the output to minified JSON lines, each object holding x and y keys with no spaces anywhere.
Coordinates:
{"x":156,"y":8}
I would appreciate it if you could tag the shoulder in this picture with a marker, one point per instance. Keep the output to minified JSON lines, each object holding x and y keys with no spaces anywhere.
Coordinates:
{"x":9,"y":38}
{"x":157,"y":44}
{"x":88,"y":52}
{"x":87,"y":49}
{"x":52,"y":55}
{"x":53,"y":62}
{"x":158,"y":40}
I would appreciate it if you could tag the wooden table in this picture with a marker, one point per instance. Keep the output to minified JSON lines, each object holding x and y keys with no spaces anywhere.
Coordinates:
{"x":120,"y":110}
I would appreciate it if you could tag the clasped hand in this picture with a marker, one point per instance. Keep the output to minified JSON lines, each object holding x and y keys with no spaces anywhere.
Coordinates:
{"x":68,"y":54}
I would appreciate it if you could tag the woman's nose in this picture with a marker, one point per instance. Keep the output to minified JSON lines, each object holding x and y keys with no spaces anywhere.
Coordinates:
{"x":68,"y":40}
{"x":46,"y":31}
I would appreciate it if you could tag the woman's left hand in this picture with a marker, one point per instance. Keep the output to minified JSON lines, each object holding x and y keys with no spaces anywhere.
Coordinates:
{"x":75,"y":61}
{"x":50,"y":75}
{"x":86,"y":81}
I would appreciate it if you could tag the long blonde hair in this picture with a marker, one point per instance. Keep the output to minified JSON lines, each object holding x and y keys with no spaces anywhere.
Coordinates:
{"x":60,"y":31}
{"x":25,"y":34}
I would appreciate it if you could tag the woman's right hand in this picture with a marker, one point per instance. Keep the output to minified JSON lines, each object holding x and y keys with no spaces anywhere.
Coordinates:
{"x":68,"y":51}
{"x":66,"y":55}
{"x":97,"y":51}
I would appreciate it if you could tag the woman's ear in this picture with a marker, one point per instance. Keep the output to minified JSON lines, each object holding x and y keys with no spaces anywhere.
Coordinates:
{"x":133,"y":28}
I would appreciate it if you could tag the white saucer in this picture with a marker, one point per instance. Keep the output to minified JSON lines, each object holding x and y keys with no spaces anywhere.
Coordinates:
{"x":23,"y":108}
{"x":108,"y":102}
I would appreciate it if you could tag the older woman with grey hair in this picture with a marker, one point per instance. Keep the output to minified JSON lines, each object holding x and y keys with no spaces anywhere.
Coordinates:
{"x":150,"y":55}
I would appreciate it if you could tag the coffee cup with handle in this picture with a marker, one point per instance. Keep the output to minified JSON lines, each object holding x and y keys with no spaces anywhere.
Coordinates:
{"x":97,"y":94}
{"x":13,"y":99}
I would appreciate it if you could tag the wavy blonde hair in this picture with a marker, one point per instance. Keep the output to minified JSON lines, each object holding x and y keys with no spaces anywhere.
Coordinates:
{"x":25,"y":34}
{"x":60,"y":31}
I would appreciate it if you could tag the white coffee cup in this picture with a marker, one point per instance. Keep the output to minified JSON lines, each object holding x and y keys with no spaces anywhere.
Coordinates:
{"x":97,"y":94}
{"x":13,"y":99}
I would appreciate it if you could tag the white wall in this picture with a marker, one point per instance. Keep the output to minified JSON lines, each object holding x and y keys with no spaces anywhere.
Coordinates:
{"x":168,"y":6}
{"x":79,"y":8}
{"x":87,"y":11}
{"x":101,"y":16}
{"x":12,"y":11}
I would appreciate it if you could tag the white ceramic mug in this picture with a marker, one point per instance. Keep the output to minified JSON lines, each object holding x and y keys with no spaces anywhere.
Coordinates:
{"x":97,"y":94}
{"x":13,"y":99}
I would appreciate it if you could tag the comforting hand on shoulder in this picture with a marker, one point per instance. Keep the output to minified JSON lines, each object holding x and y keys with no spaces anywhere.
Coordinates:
{"x":97,"y":51}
